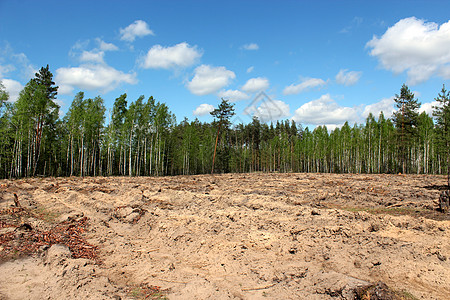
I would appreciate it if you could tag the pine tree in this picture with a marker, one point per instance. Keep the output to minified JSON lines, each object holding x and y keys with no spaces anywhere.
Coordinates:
{"x":223,"y":114}
{"x":45,"y":77}
{"x":405,"y":120}
{"x":442,"y":114}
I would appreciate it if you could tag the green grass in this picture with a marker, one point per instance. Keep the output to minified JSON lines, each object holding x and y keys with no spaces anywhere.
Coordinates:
{"x":143,"y":292}
{"x":405,"y":295}
{"x":46,"y":215}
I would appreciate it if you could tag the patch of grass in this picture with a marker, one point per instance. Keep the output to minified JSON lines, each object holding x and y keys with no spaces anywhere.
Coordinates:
{"x":405,"y":295}
{"x":396,"y":211}
{"x":46,"y":215}
{"x":147,"y":292}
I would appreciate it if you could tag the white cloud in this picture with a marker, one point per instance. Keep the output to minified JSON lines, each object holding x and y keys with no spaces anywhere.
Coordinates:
{"x":324,"y":111}
{"x":306,"y":84}
{"x":250,"y":69}
{"x":80,"y":51}
{"x":233,"y":95}
{"x":106,"y":46}
{"x":203,"y":109}
{"x":6,"y":69}
{"x":386,"y":106}
{"x":270,"y":110}
{"x":346,"y":77}
{"x":13,"y":88}
{"x":420,"y":48}
{"x":251,"y":46}
{"x":180,"y":55}
{"x":28,"y":70}
{"x":428,"y":107}
{"x":11,"y":61}
{"x":91,"y":77}
{"x":208,"y":79}
{"x":137,"y":29}
{"x":255,"y":85}
{"x":92,"y":56}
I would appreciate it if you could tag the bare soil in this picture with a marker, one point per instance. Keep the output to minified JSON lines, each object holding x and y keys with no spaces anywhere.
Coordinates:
{"x":232,"y":236}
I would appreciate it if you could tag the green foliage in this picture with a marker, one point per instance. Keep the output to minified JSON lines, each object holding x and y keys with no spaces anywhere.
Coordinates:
{"x":4,"y":96}
{"x":223,"y":115}
{"x":406,"y":121}
{"x":34,"y":119}
{"x":142,"y":138}
{"x":442,"y":114}
{"x":45,"y":78}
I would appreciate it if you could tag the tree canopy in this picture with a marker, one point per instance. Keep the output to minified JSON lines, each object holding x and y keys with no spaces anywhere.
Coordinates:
{"x":142,"y":138}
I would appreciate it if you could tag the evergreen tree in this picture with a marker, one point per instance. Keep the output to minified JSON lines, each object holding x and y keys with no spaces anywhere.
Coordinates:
{"x":222,"y":114}
{"x":442,"y":114}
{"x":405,"y":120}
{"x":45,"y":77}
{"x":35,"y":117}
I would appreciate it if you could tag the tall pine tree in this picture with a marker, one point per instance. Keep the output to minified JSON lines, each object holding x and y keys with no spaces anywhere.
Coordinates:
{"x":405,"y":120}
{"x":223,"y":114}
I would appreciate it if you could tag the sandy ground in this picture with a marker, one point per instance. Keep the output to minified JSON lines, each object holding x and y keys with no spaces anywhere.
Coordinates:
{"x":233,"y":236}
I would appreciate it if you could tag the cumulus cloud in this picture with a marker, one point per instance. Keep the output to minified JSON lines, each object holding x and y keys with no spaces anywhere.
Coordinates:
{"x":346,"y":77}
{"x":180,"y":55}
{"x":428,"y":107}
{"x":251,"y":46}
{"x":208,"y":79}
{"x":13,"y":88}
{"x":250,"y":69}
{"x":420,"y":48}
{"x":203,"y":109}
{"x":271,"y":110}
{"x":92,"y":56}
{"x":324,"y":111}
{"x":233,"y":95}
{"x":138,"y":28}
{"x":386,"y":106}
{"x":306,"y":84}
{"x":91,"y":77}
{"x":267,"y":109}
{"x":95,"y":55}
{"x":104,"y":46}
{"x":255,"y":85}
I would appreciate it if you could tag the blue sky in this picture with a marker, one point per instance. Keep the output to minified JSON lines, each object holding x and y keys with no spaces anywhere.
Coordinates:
{"x":317,"y":62}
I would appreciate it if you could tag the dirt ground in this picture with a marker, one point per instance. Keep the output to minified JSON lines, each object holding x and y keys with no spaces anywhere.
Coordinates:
{"x":232,"y":236}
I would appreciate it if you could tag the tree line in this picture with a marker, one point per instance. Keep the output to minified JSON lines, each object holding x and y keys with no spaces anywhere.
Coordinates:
{"x":142,"y":138}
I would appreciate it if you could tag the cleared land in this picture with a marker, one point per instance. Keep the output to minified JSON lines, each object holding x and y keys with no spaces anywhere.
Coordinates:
{"x":232,"y":236}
